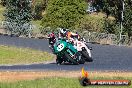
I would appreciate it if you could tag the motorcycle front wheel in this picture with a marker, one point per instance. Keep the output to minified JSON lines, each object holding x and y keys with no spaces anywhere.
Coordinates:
{"x":59,"y":61}
{"x":81,"y":58}
{"x":70,"y":59}
{"x":86,"y":55}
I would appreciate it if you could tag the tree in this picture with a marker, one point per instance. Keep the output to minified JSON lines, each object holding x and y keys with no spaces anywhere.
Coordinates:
{"x":64,"y":13}
{"x":38,"y":8}
{"x":127,"y":23}
{"x":3,"y":2}
{"x":18,"y":16}
{"x":115,"y":8}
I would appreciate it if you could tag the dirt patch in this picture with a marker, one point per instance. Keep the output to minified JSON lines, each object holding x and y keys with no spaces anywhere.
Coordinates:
{"x":2,"y":31}
{"x":17,"y":76}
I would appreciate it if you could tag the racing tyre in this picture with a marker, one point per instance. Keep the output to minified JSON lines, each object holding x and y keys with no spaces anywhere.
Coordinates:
{"x":86,"y":55}
{"x":59,"y":61}
{"x":82,"y":61}
{"x":68,"y":57}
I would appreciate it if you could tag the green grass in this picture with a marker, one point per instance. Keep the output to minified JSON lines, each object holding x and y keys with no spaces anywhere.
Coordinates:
{"x":13,"y":55}
{"x":53,"y":83}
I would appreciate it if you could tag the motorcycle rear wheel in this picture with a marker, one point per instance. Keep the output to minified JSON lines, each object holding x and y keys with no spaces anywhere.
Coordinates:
{"x":82,"y":61}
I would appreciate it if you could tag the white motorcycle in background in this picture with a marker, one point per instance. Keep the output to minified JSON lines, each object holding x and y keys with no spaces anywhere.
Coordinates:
{"x":84,"y":49}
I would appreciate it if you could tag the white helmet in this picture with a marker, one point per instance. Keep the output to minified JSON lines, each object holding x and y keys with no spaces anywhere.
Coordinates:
{"x":63,"y":31}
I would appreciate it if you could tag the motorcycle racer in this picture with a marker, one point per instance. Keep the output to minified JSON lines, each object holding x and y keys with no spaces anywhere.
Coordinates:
{"x":73,"y":39}
{"x":65,"y":33}
{"x":78,"y":43}
{"x":52,"y":39}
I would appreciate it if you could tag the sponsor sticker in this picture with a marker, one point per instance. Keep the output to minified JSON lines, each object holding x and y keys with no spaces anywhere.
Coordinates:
{"x":86,"y":81}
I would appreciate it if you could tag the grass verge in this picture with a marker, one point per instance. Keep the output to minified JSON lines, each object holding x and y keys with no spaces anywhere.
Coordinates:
{"x":13,"y":55}
{"x":57,"y":79}
{"x":55,"y":82}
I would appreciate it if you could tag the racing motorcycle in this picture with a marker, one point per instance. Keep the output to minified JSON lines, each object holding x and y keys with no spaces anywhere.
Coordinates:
{"x":83,"y":48}
{"x":66,"y":52}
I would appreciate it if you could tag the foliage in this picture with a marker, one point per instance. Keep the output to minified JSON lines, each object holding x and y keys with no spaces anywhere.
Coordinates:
{"x":110,"y":26}
{"x":39,"y":7}
{"x":1,"y":12}
{"x":91,"y":22}
{"x":98,"y":4}
{"x":18,"y":16}
{"x":3,"y":2}
{"x":127,"y":22}
{"x":37,"y":15}
{"x":115,"y":8}
{"x":64,"y":13}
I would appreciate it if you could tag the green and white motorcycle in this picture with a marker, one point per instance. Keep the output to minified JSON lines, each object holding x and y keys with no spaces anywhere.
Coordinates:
{"x":66,"y":52}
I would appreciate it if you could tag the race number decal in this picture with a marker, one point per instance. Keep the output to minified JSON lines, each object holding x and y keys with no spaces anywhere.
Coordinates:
{"x":60,"y":47}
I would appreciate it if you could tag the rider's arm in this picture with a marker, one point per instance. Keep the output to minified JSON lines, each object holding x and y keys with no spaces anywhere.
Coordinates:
{"x":74,"y":34}
{"x":68,"y":35}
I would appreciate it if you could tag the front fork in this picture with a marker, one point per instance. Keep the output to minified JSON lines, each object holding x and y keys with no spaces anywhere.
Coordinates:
{"x":88,"y":51}
{"x":71,"y":54}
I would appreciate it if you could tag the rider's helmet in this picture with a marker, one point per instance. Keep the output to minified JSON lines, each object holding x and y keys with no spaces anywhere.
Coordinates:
{"x":63,"y":32}
{"x":51,"y":35}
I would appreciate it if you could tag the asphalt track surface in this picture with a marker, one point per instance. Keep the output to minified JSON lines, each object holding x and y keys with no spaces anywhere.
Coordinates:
{"x":106,"y":57}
